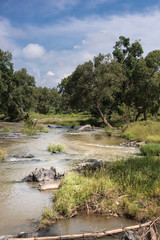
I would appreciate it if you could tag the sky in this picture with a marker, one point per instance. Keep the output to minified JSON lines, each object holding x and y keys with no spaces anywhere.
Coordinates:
{"x":51,"y":37}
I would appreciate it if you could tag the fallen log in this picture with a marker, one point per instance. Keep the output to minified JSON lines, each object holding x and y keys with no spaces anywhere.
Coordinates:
{"x":88,"y":235}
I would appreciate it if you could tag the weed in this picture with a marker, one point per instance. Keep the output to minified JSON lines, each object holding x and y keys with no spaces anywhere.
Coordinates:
{"x":56,"y":147}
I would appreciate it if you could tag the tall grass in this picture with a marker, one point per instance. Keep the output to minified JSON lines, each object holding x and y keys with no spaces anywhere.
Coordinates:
{"x":143,"y":131}
{"x":152,"y":149}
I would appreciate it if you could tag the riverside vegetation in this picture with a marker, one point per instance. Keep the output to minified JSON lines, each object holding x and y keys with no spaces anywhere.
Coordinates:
{"x":125,"y":187}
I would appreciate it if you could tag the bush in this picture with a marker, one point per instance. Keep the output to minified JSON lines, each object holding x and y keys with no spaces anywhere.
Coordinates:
{"x":3,"y":154}
{"x":151,"y":149}
{"x":56,"y":147}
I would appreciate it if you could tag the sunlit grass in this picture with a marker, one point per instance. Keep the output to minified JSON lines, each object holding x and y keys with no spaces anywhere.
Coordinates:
{"x":56,"y":147}
{"x":72,"y":119}
{"x":143,"y":131}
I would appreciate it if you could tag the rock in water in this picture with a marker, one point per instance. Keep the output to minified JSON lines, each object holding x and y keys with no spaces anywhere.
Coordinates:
{"x":41,"y":174}
{"x":87,"y":127}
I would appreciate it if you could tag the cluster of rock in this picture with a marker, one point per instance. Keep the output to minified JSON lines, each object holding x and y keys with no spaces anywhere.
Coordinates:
{"x":48,"y":179}
{"x":15,"y":135}
{"x":24,"y":156}
{"x":132,"y":144}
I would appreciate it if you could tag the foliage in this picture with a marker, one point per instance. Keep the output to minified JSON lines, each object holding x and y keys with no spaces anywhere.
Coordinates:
{"x":15,"y":87}
{"x":3,"y":154}
{"x":140,"y":131}
{"x":46,"y":100}
{"x":94,"y":86}
{"x":56,"y":147}
{"x":152,"y":149}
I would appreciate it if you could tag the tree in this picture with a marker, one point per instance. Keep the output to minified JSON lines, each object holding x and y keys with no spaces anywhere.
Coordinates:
{"x":15,"y":88}
{"x":94,"y":86}
{"x":128,"y":55}
{"x":147,"y":84}
{"x":22,"y":94}
{"x":46,"y":100}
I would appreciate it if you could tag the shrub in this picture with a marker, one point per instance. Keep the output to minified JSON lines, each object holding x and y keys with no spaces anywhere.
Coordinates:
{"x":152,"y":149}
{"x":3,"y":154}
{"x":56,"y":147}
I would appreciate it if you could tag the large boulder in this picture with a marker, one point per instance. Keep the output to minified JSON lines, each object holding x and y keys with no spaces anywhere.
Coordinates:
{"x":86,"y":127}
{"x":41,"y":174}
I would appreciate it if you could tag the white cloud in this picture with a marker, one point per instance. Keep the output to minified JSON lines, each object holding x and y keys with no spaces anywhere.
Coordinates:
{"x":33,"y":51}
{"x":50,"y":73}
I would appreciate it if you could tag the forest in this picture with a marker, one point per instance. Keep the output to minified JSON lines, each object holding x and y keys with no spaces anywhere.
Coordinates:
{"x":122,"y":86}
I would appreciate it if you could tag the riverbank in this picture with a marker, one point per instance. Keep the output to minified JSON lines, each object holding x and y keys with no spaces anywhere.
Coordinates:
{"x":123,"y":188}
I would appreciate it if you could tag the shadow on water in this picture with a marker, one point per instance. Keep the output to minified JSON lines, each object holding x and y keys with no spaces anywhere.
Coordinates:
{"x":21,"y":204}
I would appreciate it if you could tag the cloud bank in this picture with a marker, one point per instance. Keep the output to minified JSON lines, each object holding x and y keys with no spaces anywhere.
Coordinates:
{"x":64,"y":45}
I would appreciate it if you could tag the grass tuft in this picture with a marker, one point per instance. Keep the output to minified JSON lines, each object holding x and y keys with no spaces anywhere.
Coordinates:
{"x":56,"y":147}
{"x":3,"y":154}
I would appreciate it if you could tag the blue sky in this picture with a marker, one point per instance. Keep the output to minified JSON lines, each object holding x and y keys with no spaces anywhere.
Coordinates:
{"x":51,"y":37}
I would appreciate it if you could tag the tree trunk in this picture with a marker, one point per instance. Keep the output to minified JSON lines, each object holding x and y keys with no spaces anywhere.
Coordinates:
{"x":102,"y":116}
{"x":26,"y":116}
{"x":145,"y":114}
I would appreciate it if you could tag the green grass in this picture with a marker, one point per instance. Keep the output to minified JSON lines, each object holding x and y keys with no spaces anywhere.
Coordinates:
{"x":126,"y":187}
{"x":143,"y":131}
{"x":33,"y":128}
{"x":3,"y":154}
{"x":152,"y":149}
{"x":72,"y":119}
{"x":56,"y":147}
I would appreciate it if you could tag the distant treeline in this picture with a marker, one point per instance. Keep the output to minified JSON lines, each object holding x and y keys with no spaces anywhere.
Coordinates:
{"x":123,"y":86}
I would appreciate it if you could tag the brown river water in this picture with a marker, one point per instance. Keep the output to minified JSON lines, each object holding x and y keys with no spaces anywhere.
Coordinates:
{"x":21,"y":203}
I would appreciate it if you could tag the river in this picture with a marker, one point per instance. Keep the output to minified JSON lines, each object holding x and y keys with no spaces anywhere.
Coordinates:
{"x":21,"y":203}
